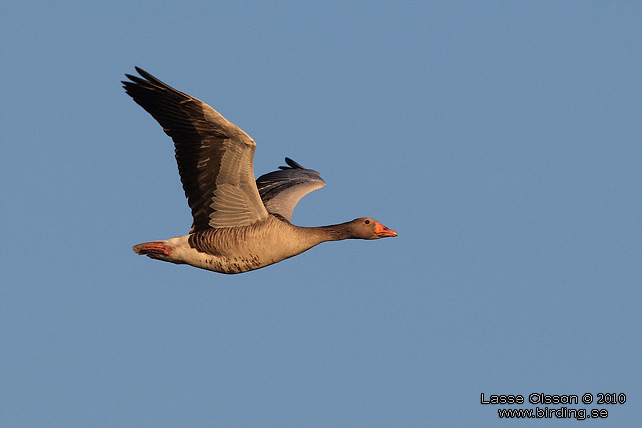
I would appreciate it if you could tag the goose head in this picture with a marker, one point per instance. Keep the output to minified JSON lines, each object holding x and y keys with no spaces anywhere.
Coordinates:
{"x":369,"y":228}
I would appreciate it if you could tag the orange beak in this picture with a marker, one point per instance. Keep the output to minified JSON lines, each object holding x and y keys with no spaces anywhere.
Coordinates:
{"x":382,"y":231}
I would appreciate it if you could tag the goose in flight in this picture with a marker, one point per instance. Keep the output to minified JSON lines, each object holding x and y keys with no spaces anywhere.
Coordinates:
{"x":239,"y":224}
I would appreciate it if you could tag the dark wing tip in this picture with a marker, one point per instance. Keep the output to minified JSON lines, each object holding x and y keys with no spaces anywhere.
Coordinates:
{"x":291,"y":164}
{"x":147,"y":76}
{"x":135,"y":80}
{"x":144,"y":79}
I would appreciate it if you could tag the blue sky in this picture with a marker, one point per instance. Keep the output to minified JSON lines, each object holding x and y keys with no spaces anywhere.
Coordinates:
{"x":500,"y":139}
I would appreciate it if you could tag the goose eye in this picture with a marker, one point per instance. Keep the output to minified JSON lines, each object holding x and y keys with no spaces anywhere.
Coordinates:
{"x":367,"y":221}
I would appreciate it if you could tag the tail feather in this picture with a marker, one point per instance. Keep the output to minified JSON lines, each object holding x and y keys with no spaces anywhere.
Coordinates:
{"x":152,"y":249}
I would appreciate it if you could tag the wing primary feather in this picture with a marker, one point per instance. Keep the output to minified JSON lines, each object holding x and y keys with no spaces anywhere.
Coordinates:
{"x":291,"y":163}
{"x":211,"y":153}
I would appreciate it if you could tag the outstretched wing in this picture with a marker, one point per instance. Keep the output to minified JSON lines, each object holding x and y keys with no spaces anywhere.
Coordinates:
{"x":214,"y":156}
{"x":281,"y":190}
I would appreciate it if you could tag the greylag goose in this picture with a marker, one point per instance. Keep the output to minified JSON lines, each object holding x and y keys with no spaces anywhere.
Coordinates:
{"x":239,"y":224}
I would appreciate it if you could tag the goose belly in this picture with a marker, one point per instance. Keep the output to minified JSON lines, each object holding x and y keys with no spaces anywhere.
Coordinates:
{"x":223,"y":264}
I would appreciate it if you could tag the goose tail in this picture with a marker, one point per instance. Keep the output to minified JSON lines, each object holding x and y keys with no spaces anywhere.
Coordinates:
{"x":153,"y":249}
